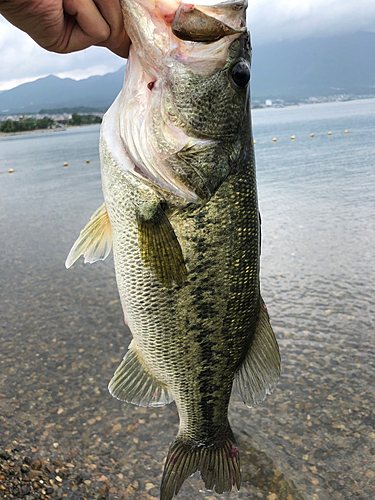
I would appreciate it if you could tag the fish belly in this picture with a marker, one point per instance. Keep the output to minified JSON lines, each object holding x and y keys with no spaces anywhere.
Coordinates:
{"x":193,"y":337}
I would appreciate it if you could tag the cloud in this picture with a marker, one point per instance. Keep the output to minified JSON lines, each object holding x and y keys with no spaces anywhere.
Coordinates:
{"x":276,"y":20}
{"x":21,"y":59}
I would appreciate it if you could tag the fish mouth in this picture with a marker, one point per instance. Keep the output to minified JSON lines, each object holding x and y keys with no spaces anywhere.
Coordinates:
{"x":160,"y":28}
{"x":142,"y":132}
{"x":191,"y":23}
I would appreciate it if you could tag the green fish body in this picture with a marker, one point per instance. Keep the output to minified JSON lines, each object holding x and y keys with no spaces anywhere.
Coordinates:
{"x":181,"y":212}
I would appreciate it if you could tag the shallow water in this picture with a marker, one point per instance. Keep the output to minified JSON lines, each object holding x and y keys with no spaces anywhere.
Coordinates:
{"x":63,"y":335}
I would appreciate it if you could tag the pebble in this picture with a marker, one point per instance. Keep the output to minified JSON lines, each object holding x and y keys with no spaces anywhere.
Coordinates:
{"x":116,"y":428}
{"x":272,"y":496}
{"x":103,"y":489}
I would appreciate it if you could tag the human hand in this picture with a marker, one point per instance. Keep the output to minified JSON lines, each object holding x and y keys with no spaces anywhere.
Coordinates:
{"x":69,"y":25}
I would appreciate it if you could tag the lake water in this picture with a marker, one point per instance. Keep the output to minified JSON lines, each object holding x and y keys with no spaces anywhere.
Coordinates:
{"x":62,"y":332}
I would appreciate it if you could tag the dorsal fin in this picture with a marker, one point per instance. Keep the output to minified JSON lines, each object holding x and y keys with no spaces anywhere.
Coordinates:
{"x":258,"y":375}
{"x":94,"y":241}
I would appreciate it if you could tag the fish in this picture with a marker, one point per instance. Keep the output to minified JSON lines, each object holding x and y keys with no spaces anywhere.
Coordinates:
{"x":181,"y":214}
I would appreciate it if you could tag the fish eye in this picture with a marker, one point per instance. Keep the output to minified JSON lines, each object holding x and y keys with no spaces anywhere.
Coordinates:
{"x":241,"y":73}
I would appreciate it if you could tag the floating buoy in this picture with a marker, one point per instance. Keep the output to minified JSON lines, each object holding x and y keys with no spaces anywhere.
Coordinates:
{"x":311,"y":135}
{"x":255,"y":142}
{"x":11,"y":170}
{"x":293,"y":137}
{"x":346,"y":131}
{"x":329,"y":133}
{"x":274,"y":139}
{"x":65,"y":164}
{"x":87,"y":161}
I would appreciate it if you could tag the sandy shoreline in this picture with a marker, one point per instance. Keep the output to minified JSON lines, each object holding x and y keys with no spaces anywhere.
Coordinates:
{"x":37,"y":131}
{"x":43,"y":130}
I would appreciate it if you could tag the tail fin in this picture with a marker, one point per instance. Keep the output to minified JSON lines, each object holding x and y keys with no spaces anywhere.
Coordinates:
{"x":219,"y":466}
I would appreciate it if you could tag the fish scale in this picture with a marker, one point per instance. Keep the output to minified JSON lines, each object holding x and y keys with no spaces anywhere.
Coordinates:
{"x":181,"y":213}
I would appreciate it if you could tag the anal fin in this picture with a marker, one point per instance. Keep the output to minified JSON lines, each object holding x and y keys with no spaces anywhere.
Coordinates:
{"x":132,"y":382}
{"x":160,"y":248}
{"x":258,"y":375}
{"x":94,"y":241}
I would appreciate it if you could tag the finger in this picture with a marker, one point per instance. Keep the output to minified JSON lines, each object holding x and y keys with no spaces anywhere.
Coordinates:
{"x":123,"y":48}
{"x":118,"y":41}
{"x":89,"y":28}
{"x":112,"y":13}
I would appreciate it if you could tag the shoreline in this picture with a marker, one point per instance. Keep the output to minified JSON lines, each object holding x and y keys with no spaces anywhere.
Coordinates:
{"x":44,"y":130}
{"x":36,"y":131}
{"x":254,"y":109}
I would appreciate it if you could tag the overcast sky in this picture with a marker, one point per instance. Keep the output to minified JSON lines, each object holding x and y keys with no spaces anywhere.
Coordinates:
{"x":22,"y":60}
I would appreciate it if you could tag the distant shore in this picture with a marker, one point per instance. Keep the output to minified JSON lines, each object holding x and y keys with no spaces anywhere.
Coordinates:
{"x":43,"y":130}
{"x":36,"y":131}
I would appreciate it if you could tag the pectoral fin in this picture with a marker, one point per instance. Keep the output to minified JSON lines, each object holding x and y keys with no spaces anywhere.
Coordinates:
{"x":160,"y":248}
{"x":94,"y":241}
{"x":132,"y":382}
{"x":258,"y":375}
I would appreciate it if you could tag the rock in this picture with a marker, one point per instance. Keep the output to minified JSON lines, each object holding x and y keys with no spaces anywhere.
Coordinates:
{"x":116,"y":428}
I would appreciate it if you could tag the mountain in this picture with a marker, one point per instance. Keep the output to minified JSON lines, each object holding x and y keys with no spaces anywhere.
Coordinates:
{"x":314,"y":67}
{"x":289,"y":70}
{"x":52,"y":92}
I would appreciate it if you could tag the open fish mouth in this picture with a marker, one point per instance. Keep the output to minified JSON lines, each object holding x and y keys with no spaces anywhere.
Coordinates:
{"x":145,"y":130}
{"x":199,"y":23}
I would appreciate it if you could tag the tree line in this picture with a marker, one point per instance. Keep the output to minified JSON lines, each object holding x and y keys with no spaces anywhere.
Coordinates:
{"x":28,"y":123}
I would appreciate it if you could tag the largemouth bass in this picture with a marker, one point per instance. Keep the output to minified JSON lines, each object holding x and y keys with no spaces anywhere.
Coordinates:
{"x":181,"y":212}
